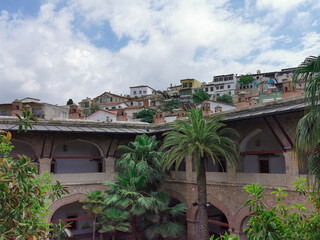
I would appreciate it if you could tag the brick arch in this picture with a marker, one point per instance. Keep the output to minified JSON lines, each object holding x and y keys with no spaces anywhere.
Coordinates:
{"x":69,"y":139}
{"x":34,"y":143}
{"x":177,"y":196}
{"x":239,"y":217}
{"x":218,"y":204}
{"x":64,"y":201}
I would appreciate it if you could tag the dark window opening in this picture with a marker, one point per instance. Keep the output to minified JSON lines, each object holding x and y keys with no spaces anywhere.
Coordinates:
{"x":73,"y":224}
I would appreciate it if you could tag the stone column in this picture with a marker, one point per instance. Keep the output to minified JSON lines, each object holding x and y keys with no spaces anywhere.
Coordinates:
{"x":188,"y":169}
{"x":45,"y":165}
{"x":292,"y":168}
{"x":232,"y":174}
{"x":109,"y":168}
{"x":192,"y":226}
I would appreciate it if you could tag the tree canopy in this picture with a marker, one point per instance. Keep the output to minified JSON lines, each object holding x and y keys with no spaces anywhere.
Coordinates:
{"x":200,"y":140}
{"x":146,"y":115}
{"x":200,"y":97}
{"x":172,"y":104}
{"x":246,"y":79}
{"x":70,"y":102}
{"x":226,"y":98}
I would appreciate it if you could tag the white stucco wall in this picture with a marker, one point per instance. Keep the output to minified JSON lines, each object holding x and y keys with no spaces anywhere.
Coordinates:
{"x":140,"y":91}
{"x":213,"y":104}
{"x":102,"y":116}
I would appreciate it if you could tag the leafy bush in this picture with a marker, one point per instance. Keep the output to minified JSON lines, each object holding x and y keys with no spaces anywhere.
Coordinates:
{"x":146,"y":115}
{"x":172,"y":104}
{"x":23,"y":197}
{"x":246,"y":79}
{"x":226,"y":98}
{"x":280,"y":221}
{"x":200,"y":97}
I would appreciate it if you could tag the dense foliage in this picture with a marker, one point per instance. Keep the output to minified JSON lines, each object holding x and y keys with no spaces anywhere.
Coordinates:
{"x":200,"y":97}
{"x":281,"y":222}
{"x":146,"y":115}
{"x":23,"y":196}
{"x":136,"y":194}
{"x":307,"y":142}
{"x":246,"y":79}
{"x":70,"y":102}
{"x":172,"y":104}
{"x":201,"y":140}
{"x":226,"y":98}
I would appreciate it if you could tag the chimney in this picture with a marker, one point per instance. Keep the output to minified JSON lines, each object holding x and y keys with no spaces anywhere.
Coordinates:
{"x":121,"y":115}
{"x":16,"y":108}
{"x":181,"y":115}
{"x":146,"y":103}
{"x":74,"y":112}
{"x":218,"y":109}
{"x":159,"y":117}
{"x":206,"y":108}
{"x":253,"y":101}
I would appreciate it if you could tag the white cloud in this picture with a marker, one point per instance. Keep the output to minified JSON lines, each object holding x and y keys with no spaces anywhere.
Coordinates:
{"x":50,"y":58}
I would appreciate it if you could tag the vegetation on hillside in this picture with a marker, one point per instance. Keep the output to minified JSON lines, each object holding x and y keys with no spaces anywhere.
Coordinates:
{"x":226,"y":98}
{"x":200,"y":97}
{"x":146,"y":115}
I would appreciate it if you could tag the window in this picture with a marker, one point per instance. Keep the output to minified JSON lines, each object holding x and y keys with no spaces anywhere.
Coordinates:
{"x":65,"y":148}
{"x":228,"y":86}
{"x":222,"y":87}
{"x":86,"y":104}
{"x":73,"y":225}
{"x":230,"y":78}
{"x":134,"y":115}
{"x":110,"y":99}
{"x":226,"y":79}
{"x":131,"y":103}
{"x":116,"y":99}
{"x":264,"y":165}
{"x":185,"y":85}
{"x":134,"y":92}
{"x":190,"y":84}
{"x":144,"y":92}
{"x":211,"y":89}
{"x":63,"y":115}
{"x":207,"y":89}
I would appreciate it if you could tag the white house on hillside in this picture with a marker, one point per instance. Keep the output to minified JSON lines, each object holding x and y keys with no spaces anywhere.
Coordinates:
{"x":103,"y":116}
{"x":142,"y":90}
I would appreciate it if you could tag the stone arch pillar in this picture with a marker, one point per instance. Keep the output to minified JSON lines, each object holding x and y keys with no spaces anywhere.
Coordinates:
{"x":64,"y":201}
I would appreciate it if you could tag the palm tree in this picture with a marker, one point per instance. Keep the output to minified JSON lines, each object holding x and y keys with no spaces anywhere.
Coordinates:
{"x":164,"y":222}
{"x":145,"y":157}
{"x":200,"y":139}
{"x":128,"y":194}
{"x":307,"y":141}
{"x":112,"y":220}
{"x":93,"y":204}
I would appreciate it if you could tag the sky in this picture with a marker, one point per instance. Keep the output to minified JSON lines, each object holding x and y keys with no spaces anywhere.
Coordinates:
{"x":60,"y":49}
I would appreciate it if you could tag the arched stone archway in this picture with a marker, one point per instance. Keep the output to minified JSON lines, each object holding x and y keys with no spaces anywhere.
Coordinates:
{"x":261,"y":153}
{"x":77,"y":156}
{"x":23,"y":147}
{"x":217,"y":206}
{"x":64,"y":201}
{"x":239,"y":218}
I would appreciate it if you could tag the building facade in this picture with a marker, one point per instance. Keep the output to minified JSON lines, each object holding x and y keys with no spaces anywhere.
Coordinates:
{"x":82,"y":156}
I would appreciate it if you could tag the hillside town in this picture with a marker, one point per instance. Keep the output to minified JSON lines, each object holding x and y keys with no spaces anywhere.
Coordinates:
{"x":109,"y":107}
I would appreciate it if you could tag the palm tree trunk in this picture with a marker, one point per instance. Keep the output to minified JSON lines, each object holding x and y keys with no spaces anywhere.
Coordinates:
{"x":202,"y":201}
{"x":133,"y":228}
{"x":94,"y":229}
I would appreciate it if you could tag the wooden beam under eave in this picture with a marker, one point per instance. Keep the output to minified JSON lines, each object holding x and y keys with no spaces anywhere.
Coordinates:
{"x":283,"y":131}
{"x":273,"y":132}
{"x":218,"y":223}
{"x":267,"y":152}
